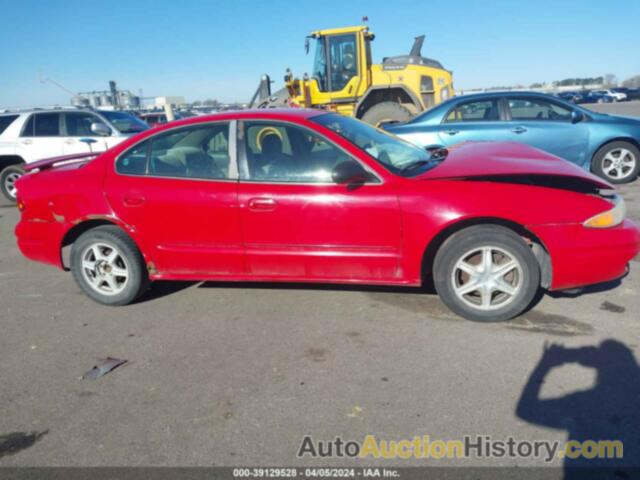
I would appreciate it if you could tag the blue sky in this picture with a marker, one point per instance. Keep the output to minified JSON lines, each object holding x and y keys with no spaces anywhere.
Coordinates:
{"x":218,"y":49}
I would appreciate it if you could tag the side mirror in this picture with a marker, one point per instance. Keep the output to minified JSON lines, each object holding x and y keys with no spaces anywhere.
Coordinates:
{"x":101,"y":129}
{"x":437,"y":153}
{"x":350,"y":173}
{"x":576,"y":116}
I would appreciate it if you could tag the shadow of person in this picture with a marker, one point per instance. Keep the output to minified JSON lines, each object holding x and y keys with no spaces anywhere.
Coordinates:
{"x":608,"y":411}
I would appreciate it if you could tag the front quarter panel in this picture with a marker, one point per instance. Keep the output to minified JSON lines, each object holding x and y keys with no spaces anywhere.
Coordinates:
{"x":429,"y":207}
{"x":605,"y":130}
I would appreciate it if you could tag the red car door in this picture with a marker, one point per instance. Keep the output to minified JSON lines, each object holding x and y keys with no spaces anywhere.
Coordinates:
{"x":179,"y":191}
{"x":299,"y":224}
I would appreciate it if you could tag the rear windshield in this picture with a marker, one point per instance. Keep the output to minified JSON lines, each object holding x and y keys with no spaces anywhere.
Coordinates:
{"x":5,"y":121}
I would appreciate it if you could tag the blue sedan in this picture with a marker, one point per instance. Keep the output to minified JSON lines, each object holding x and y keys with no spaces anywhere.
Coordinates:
{"x":607,"y":145}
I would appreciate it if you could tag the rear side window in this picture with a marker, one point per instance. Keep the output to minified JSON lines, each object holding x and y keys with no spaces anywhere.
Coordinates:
{"x":192,"y":152}
{"x":195,"y":152}
{"x":5,"y":121}
{"x":46,"y":125}
{"x":477,"y":111}
{"x":27,"y":131}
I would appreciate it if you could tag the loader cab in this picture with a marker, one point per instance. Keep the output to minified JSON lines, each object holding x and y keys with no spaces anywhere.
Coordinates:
{"x":342,"y":62}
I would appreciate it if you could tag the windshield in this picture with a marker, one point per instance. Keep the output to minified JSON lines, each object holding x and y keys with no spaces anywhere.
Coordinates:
{"x":394,"y":154}
{"x":125,"y":122}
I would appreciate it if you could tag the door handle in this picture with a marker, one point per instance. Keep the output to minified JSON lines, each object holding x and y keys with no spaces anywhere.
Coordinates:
{"x":69,"y":141}
{"x":452,"y":132}
{"x":133,"y":200}
{"x":262,"y":204}
{"x":519,"y":130}
{"x":27,"y":142}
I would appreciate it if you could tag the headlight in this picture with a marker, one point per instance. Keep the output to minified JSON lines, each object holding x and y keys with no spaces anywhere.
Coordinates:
{"x":610,"y":218}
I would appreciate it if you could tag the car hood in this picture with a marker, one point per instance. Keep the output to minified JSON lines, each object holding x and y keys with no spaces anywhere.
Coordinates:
{"x":506,"y":159}
{"x":616,"y":119}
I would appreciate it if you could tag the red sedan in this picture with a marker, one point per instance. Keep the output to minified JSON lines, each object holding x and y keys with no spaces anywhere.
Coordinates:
{"x":309,"y":196}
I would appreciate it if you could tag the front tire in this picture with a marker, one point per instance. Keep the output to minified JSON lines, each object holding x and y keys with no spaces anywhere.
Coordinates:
{"x":8,"y":178}
{"x":107,"y":265}
{"x":486,"y":273}
{"x":386,"y":112}
{"x":617,"y":162}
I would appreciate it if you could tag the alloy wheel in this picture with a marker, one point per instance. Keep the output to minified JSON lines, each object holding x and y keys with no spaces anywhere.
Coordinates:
{"x":10,"y":184}
{"x":105,"y":269}
{"x":487,"y":278}
{"x":618,"y":163}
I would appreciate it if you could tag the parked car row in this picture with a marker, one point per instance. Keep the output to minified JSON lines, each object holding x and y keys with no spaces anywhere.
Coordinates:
{"x":607,"y":145}
{"x":601,"y":96}
{"x":310,"y":196}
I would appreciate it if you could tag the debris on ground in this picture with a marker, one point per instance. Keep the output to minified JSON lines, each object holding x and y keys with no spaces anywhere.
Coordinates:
{"x":612,"y":307}
{"x":14,"y":442}
{"x":355,"y":413}
{"x":103,"y":367}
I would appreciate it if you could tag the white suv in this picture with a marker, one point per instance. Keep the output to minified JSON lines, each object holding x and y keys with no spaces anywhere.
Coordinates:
{"x":28,"y":136}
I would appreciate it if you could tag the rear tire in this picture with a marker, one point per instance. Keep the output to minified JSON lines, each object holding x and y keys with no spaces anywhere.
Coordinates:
{"x":8,"y":178}
{"x":107,"y":265}
{"x":386,"y":112}
{"x":617,"y":162}
{"x":494,"y":260}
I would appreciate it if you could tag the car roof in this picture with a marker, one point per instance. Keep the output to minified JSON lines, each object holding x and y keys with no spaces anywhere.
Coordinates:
{"x":503,"y":93}
{"x":256,"y":113}
{"x":28,"y":111}
{"x":274,"y":113}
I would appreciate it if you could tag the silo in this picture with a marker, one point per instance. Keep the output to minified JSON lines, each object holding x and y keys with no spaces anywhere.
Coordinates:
{"x":106,"y":100}
{"x":79,"y":101}
{"x":94,"y":100}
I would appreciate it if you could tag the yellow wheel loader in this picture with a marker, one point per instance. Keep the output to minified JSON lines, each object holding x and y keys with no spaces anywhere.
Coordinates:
{"x":345,"y":80}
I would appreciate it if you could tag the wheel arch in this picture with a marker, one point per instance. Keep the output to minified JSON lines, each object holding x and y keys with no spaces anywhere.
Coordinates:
{"x":540,"y":251}
{"x":87,"y":224}
{"x":9,"y":160}
{"x":388,"y":93}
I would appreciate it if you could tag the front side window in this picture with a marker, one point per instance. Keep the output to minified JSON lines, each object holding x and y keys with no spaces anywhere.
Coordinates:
{"x":200,"y":152}
{"x":79,"y":124}
{"x":538,"y":109}
{"x":28,"y":129}
{"x":286,"y":153}
{"x":475,"y":111}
